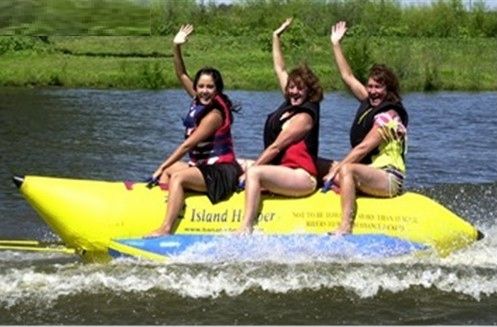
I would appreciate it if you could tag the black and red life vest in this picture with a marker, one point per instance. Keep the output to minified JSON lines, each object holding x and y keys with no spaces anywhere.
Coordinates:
{"x":301,"y":154}
{"x":218,"y":148}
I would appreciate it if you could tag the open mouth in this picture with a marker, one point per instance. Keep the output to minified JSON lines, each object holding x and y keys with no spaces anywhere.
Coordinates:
{"x":296,"y":99}
{"x":205,"y":98}
{"x":375,"y":99}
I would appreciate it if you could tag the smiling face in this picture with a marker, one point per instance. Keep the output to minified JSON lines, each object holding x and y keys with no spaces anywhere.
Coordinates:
{"x":382,"y":85}
{"x":296,"y":92}
{"x":206,"y":89}
{"x":377,"y":92}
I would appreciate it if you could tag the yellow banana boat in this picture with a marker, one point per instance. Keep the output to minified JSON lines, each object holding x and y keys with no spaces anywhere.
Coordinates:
{"x":88,"y":215}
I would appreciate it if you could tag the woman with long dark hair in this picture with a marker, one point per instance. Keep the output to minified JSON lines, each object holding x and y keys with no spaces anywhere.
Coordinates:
{"x":212,"y":167}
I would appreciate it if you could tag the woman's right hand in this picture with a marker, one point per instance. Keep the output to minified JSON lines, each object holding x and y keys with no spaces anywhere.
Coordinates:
{"x":158,"y":172}
{"x":329,"y":178}
{"x":332,"y":173}
{"x":283,"y":27}
{"x":337,"y":32}
{"x":182,"y":36}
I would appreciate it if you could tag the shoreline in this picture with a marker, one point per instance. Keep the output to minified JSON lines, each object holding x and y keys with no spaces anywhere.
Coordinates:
{"x":132,"y":63}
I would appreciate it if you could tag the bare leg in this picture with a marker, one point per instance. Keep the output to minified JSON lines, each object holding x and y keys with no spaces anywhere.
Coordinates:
{"x":347,"y":199}
{"x":190,"y":178}
{"x":361,"y":177}
{"x":252,"y":200}
{"x":277,"y":179}
{"x":177,"y":166}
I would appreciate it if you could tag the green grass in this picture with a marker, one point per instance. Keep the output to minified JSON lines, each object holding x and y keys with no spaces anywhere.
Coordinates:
{"x":422,"y":64}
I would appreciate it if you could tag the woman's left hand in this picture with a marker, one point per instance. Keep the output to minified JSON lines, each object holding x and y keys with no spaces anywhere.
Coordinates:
{"x":283,"y":26}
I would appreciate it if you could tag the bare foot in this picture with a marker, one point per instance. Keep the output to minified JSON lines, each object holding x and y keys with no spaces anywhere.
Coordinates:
{"x":244,"y":230}
{"x":341,"y":231}
{"x":158,"y":232}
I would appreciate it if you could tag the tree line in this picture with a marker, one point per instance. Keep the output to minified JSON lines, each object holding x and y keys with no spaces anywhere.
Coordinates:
{"x":441,"y":18}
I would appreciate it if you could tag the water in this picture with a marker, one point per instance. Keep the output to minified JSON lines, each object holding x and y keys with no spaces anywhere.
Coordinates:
{"x":118,"y":135}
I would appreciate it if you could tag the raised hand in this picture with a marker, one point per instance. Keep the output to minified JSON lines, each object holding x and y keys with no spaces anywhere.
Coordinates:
{"x":337,"y":32}
{"x":283,"y":26}
{"x":182,"y":36}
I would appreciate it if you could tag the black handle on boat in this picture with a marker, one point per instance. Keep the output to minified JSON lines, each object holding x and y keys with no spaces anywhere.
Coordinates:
{"x":152,"y":181}
{"x":18,"y":180}
{"x":327,"y":186}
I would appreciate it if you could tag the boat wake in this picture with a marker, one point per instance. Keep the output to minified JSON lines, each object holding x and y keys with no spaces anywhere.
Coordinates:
{"x":45,"y":280}
{"x":292,"y":248}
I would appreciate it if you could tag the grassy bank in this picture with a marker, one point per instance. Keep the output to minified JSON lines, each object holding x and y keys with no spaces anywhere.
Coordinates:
{"x":423,"y":64}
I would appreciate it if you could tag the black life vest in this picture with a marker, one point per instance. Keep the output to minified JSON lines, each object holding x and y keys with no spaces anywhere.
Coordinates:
{"x":274,"y":123}
{"x":364,"y":121}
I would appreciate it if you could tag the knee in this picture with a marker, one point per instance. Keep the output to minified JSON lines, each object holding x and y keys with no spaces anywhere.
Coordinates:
{"x":176,"y":179}
{"x":346,"y":170}
{"x":245,"y":164}
{"x":252,"y":174}
{"x":165,"y":176}
{"x":349,"y":173}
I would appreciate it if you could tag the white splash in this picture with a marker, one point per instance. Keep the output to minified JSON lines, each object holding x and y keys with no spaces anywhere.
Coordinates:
{"x":471,"y":272}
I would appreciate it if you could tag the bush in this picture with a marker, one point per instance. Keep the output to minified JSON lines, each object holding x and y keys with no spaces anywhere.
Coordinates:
{"x":21,"y":43}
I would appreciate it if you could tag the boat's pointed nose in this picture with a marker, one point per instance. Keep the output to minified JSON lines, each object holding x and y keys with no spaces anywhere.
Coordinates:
{"x":18,"y":180}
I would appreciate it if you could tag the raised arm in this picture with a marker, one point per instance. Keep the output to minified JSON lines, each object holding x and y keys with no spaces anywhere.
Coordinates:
{"x":179,"y":65}
{"x":358,"y":89}
{"x":278,"y":60}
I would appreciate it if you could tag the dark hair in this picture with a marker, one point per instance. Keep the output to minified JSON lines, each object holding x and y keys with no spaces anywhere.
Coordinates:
{"x":218,"y":82}
{"x":384,"y":75}
{"x":214,"y":73}
{"x":302,"y":75}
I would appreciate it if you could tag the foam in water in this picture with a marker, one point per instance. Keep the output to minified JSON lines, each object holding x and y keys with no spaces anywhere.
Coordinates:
{"x":294,"y":249}
{"x":471,"y":272}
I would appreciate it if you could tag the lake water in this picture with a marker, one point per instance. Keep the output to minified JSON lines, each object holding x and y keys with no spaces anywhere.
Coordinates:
{"x":124,"y":135}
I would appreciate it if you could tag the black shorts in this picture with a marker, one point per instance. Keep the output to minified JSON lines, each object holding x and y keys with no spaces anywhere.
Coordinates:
{"x":221,"y":180}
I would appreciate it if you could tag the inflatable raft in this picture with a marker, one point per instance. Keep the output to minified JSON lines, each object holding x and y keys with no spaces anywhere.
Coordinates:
{"x":91,"y":216}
